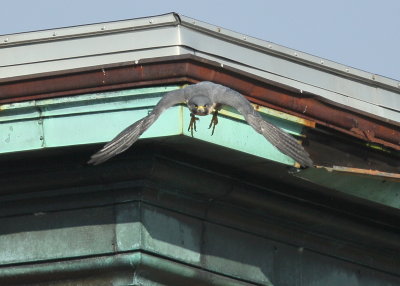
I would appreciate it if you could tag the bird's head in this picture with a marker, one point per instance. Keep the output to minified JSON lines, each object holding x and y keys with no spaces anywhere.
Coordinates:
{"x":200,"y":105}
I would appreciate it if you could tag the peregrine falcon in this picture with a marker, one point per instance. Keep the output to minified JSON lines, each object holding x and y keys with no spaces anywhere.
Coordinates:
{"x":202,"y":99}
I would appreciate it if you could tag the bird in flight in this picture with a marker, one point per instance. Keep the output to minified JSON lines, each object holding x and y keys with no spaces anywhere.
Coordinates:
{"x":202,"y":99}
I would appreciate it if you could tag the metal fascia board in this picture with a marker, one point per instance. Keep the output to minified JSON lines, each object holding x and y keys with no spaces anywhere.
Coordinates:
{"x":92,"y":44}
{"x":284,"y":63}
{"x":89,"y":61}
{"x":68,"y":121}
{"x":188,"y":68}
{"x":88,"y":30}
{"x":294,"y":55}
{"x":367,"y":185}
{"x":89,"y":45}
{"x":85,"y":47}
{"x":334,"y":98}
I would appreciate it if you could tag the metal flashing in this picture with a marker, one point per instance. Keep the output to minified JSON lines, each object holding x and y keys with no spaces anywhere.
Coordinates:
{"x":282,"y":51}
{"x":359,"y":93}
{"x":372,"y":185}
{"x":389,"y":176}
{"x":55,"y":50}
{"x":191,"y":69}
{"x":88,"y":30}
{"x":66,"y":121}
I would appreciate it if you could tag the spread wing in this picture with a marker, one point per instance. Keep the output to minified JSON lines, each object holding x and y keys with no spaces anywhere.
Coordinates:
{"x":283,"y":141}
{"x":131,"y":134}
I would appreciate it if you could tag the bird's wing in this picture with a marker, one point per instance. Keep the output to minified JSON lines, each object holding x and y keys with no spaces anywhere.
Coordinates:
{"x":283,"y":141}
{"x":130,"y":134}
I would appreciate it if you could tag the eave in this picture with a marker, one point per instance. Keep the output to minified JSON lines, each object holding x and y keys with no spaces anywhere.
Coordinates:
{"x":227,"y":209}
{"x":191,"y":69}
{"x":347,"y":124}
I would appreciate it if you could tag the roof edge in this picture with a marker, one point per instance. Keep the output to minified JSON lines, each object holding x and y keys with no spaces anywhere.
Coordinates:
{"x":189,"y":68}
{"x":293,"y":55}
{"x":175,"y":19}
{"x":100,"y":28}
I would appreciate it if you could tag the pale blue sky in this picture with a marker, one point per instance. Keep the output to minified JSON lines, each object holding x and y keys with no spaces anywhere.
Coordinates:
{"x":364,"y":34}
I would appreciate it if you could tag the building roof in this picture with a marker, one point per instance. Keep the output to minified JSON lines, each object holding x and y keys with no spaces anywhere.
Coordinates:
{"x":58,"y":84}
{"x":172,"y":34}
{"x":63,"y":92}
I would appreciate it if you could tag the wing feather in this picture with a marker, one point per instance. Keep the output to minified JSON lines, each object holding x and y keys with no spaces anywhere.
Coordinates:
{"x":131,"y":134}
{"x":219,"y":94}
{"x":283,"y":141}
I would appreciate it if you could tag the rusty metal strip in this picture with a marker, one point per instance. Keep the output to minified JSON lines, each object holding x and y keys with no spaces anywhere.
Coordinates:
{"x":392,"y":176}
{"x":190,"y":69}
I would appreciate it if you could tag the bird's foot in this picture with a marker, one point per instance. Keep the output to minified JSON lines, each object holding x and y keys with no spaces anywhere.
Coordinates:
{"x":192,"y":124}
{"x":214,"y":122}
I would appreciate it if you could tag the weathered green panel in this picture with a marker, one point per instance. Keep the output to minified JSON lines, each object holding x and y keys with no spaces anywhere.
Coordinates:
{"x":374,"y":188}
{"x":169,"y":234}
{"x":44,"y":236}
{"x":102,"y":127}
{"x":83,"y":119}
{"x":95,"y":118}
{"x":233,"y":257}
{"x":21,"y":135}
{"x":237,"y":134}
{"x":127,"y":227}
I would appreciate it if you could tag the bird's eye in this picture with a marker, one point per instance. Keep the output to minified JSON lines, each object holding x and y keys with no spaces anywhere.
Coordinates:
{"x":195,"y":105}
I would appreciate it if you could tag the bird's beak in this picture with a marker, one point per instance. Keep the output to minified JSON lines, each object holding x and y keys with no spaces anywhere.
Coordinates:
{"x":201,"y":109}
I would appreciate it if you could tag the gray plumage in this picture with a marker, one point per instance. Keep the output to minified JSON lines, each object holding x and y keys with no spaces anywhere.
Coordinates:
{"x":202,"y":99}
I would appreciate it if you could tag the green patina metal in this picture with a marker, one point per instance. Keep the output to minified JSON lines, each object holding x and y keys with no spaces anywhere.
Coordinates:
{"x":95,"y":118}
{"x":378,"y":189}
{"x":172,"y":230}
